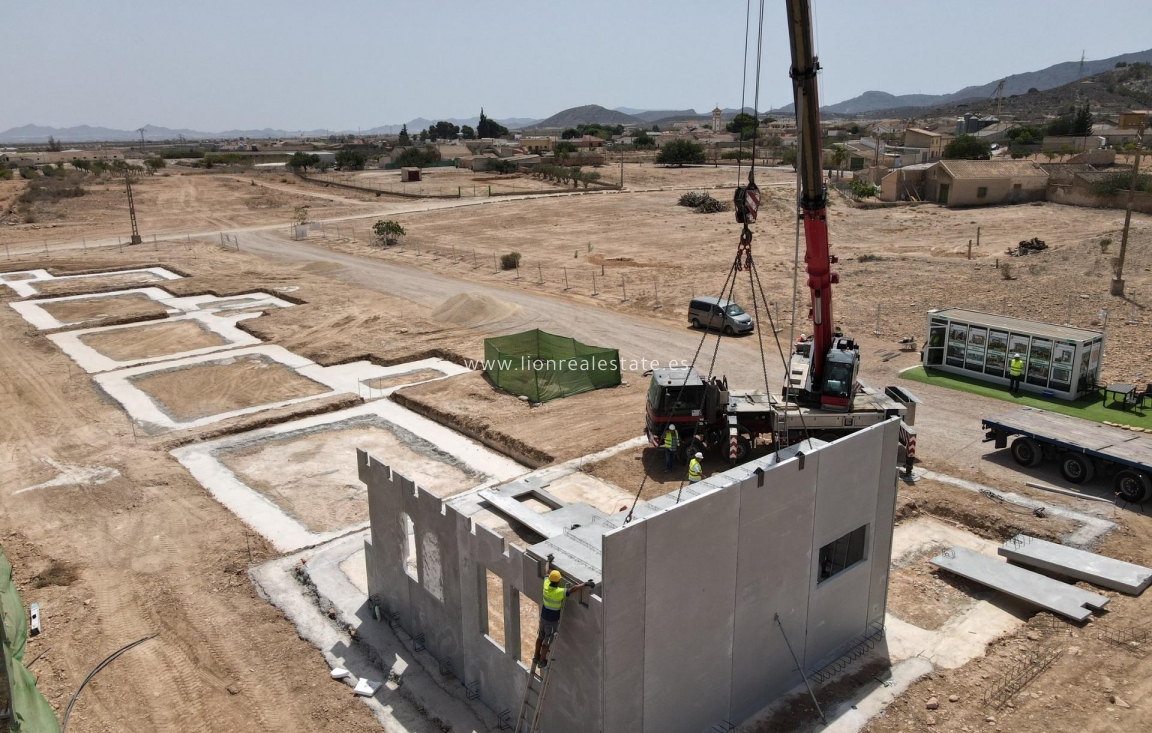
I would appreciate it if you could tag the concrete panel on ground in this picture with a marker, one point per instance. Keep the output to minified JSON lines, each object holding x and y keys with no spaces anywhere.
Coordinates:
{"x":689,"y":617}
{"x":1039,"y":590}
{"x":1079,"y":564}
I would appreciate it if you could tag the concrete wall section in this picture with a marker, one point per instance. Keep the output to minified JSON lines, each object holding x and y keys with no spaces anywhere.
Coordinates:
{"x":446,"y":603}
{"x":690,"y":585}
{"x":773,"y":577}
{"x":845,"y":500}
{"x":625,"y":573}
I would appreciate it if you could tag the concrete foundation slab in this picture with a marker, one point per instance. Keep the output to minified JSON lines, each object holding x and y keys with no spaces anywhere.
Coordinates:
{"x":27,"y":283}
{"x":271,"y":480}
{"x":85,"y":345}
{"x":37,"y":311}
{"x":1079,"y":564}
{"x":1038,"y":590}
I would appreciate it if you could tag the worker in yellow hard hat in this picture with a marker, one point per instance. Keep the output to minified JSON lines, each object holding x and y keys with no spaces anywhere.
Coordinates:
{"x":554,"y":595}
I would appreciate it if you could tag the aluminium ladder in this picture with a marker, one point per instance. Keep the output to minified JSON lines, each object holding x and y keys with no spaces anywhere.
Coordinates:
{"x":532,"y":710}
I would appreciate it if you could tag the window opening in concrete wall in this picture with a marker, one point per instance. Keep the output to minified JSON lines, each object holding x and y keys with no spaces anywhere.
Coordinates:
{"x":408,"y":545}
{"x":494,"y":608}
{"x":529,"y":626}
{"x":841,"y":554}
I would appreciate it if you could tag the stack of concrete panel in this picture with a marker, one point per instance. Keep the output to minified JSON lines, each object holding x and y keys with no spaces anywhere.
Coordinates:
{"x":1079,"y":564}
{"x":1038,"y":590}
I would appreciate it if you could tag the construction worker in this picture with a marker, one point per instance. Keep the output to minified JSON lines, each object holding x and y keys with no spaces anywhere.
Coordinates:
{"x":671,"y":445}
{"x":554,"y":595}
{"x":695,"y":469}
{"x":1015,"y":370}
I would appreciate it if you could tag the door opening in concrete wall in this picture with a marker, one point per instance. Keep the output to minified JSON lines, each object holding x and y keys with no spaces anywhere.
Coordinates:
{"x":529,"y":626}
{"x":494,"y":608}
{"x":408,"y":544}
{"x":843,"y":553}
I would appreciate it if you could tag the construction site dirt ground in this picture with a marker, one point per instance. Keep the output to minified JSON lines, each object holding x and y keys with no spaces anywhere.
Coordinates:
{"x":149,"y":550}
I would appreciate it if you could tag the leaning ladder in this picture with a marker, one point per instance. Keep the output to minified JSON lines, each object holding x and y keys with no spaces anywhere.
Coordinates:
{"x":532,"y":710}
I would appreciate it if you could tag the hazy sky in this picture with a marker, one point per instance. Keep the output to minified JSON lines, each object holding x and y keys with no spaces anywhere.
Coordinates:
{"x":344,"y":64}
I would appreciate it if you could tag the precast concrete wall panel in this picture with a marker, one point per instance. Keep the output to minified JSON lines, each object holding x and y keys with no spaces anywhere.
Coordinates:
{"x":846,"y":499}
{"x":773,"y":577}
{"x":689,"y":592}
{"x":625,"y":568}
{"x":881,"y":552}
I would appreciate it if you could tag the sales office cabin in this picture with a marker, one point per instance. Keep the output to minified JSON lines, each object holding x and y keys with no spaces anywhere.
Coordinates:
{"x":1060,"y":361}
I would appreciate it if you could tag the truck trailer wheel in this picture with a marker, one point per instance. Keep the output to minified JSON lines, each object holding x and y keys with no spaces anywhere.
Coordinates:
{"x":1077,"y":468}
{"x":1133,"y":486}
{"x":1026,"y":451}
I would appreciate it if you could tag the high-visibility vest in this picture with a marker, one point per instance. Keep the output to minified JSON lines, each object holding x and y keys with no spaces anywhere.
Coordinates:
{"x":670,"y":439}
{"x":695,"y":471}
{"x":1016,"y":367}
{"x":553,"y":596}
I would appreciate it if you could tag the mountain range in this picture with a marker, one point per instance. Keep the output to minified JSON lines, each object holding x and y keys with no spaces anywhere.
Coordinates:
{"x":1051,"y":77}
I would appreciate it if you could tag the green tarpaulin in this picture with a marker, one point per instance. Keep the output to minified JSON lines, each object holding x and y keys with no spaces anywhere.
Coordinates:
{"x":30,"y":712}
{"x":542,"y":366}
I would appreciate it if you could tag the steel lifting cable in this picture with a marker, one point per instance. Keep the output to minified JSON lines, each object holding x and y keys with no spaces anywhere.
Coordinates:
{"x":680,"y":392}
{"x":744,"y":88}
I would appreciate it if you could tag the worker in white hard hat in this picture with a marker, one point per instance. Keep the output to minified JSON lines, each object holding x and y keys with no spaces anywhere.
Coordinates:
{"x":1015,"y":371}
{"x":553,"y":597}
{"x":695,"y":469}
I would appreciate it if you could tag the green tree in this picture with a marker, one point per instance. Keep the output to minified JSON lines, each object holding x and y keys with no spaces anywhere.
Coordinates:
{"x":838,"y":157}
{"x":443,"y":131}
{"x":154,"y":164}
{"x":468,"y":132}
{"x":744,"y":124}
{"x":788,"y":156}
{"x":388,"y":232}
{"x":489,"y":128}
{"x":299,"y":160}
{"x":563,"y":149}
{"x":417,"y":158}
{"x":679,"y":152}
{"x":1082,"y":121}
{"x":968,"y":147}
{"x":350,"y":159}
{"x":404,"y":140}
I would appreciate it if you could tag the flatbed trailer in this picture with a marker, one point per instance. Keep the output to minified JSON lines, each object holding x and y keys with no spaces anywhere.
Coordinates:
{"x":1083,"y":449}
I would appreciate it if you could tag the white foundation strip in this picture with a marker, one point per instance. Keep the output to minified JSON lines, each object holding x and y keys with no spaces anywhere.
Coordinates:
{"x":285,"y":532}
{"x":92,"y":361}
{"x":35,"y":313}
{"x":25,"y":286}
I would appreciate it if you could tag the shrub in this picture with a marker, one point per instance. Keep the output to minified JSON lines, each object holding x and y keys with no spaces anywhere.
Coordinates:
{"x":510,"y":261}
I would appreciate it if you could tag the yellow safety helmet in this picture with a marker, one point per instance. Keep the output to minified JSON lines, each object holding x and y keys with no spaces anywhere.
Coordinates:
{"x":554,"y":577}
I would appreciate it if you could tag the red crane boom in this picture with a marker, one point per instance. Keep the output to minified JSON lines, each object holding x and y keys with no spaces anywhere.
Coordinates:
{"x":836,"y":390}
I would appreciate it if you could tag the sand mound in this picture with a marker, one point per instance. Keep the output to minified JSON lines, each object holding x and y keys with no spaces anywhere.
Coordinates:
{"x":473,"y":309}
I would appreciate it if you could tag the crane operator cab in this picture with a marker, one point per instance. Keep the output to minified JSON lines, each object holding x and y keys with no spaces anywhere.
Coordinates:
{"x":841,"y":367}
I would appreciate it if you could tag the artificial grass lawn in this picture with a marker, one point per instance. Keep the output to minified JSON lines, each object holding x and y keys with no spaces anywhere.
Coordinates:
{"x":1089,"y":407}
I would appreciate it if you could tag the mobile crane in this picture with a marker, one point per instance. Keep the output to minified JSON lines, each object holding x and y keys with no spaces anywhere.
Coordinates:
{"x":822,"y":396}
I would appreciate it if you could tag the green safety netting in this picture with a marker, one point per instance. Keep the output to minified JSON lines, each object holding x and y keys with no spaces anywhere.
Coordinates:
{"x":542,"y":366}
{"x":30,"y":712}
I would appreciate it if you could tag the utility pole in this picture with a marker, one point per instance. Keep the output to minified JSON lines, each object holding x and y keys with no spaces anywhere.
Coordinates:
{"x":1118,"y":277}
